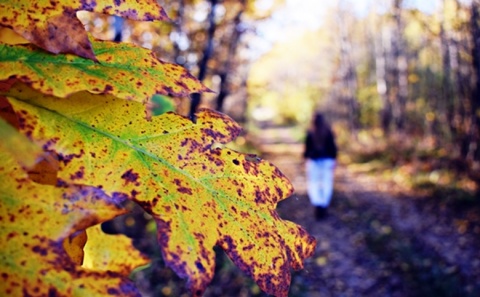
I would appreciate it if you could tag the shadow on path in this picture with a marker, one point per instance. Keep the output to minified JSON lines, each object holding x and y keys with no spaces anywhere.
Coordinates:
{"x":376,"y":243}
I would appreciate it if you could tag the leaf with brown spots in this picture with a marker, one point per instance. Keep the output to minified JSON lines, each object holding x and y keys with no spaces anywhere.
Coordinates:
{"x":35,"y":220}
{"x":200,"y":196}
{"x":123,"y":70}
{"x":54,"y":26}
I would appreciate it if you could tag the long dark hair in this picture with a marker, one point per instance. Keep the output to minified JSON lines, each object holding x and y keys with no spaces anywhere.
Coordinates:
{"x":319,"y":130}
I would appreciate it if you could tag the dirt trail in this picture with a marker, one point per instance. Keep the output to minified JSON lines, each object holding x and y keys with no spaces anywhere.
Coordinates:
{"x":377,"y":241}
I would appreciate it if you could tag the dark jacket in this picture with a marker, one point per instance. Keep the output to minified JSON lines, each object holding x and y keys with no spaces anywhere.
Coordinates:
{"x":329,"y":150}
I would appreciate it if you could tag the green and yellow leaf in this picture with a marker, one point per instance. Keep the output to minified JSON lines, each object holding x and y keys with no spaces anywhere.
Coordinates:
{"x":35,"y":220}
{"x":123,"y":70}
{"x":200,"y":196}
{"x":54,"y":26}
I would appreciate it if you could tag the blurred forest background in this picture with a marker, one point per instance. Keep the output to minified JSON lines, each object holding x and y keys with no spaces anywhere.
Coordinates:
{"x":399,"y":83}
{"x":396,"y":77}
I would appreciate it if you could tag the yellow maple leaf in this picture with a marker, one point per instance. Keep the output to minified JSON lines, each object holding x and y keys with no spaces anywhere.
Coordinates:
{"x":200,"y":196}
{"x":124,"y":70}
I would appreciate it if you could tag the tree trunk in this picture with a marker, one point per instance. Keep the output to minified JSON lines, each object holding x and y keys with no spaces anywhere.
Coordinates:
{"x":401,"y":68}
{"x":118,"y":27}
{"x":475,"y":97}
{"x":447,"y":104}
{"x":381,"y":77}
{"x":347,"y":90}
{"x":232,"y":50}
{"x":463,"y":78}
{"x":207,"y":53}
{"x":178,"y":25}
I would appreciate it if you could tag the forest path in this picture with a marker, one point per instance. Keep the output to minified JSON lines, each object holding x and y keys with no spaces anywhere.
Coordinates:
{"x":377,"y":240}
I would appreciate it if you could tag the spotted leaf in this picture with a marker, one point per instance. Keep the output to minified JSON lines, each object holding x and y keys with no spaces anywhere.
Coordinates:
{"x":54,"y":26}
{"x":123,"y":70}
{"x":35,"y":220}
{"x":199,"y":195}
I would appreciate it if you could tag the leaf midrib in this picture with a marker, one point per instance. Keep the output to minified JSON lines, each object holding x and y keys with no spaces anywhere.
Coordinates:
{"x":163,"y":161}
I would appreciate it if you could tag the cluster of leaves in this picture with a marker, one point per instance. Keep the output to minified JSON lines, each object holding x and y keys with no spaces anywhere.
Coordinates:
{"x":77,"y":141}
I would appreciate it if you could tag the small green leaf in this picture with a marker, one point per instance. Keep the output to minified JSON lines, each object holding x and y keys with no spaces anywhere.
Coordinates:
{"x":162,"y":104}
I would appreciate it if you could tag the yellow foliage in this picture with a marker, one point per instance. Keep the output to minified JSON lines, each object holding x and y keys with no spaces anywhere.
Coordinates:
{"x":199,"y":196}
{"x":123,"y":70}
{"x":35,"y":220}
{"x":102,"y":150}
{"x":37,"y":21}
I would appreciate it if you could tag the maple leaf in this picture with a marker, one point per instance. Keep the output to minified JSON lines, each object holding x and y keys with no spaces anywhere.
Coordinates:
{"x":35,"y":220}
{"x":124,"y":70}
{"x":198,"y":195}
{"x":53,"y":25}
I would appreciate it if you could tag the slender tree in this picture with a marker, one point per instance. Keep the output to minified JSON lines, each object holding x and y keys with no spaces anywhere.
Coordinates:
{"x":401,"y":67}
{"x":475,"y":97}
{"x":349,"y":76}
{"x":207,"y":53}
{"x":226,"y":70}
{"x":447,"y":103}
{"x":180,"y":34}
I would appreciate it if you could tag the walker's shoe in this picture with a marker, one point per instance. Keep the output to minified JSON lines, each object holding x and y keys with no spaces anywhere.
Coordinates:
{"x":320,"y":212}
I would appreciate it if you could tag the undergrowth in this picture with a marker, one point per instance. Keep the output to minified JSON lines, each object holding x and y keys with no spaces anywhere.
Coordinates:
{"x":417,"y":165}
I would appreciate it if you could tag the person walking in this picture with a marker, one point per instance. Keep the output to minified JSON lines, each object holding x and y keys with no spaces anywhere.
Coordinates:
{"x":320,"y":155}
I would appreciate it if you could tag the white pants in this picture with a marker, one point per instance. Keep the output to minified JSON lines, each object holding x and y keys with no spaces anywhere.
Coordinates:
{"x":320,"y":181}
